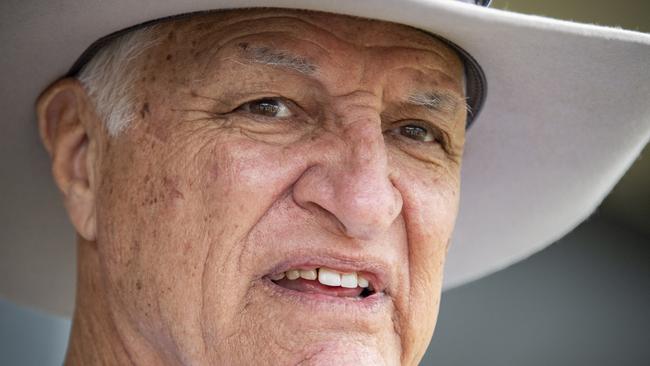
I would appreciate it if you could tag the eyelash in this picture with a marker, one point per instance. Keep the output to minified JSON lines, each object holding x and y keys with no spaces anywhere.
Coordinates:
{"x":269,"y":102}
{"x":432,"y":136}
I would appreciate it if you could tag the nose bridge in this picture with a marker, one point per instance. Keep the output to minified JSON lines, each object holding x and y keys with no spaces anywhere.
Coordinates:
{"x":366,"y":202}
{"x":364,"y":161}
{"x":361,"y":133}
{"x":354,"y":183}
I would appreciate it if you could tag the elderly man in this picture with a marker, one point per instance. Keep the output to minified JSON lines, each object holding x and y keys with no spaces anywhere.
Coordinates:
{"x":262,"y":186}
{"x":288,"y":184}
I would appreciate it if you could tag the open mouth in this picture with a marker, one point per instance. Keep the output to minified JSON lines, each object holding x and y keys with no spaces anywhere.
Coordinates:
{"x":326,"y":281}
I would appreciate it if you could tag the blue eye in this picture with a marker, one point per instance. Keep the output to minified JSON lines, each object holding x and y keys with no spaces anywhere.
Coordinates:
{"x":268,"y":107}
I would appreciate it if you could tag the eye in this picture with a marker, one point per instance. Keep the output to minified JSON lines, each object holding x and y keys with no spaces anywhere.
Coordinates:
{"x":268,"y":107}
{"x":416,"y":132}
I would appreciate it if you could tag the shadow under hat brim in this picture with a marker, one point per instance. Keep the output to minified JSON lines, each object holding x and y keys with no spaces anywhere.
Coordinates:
{"x":566,"y":115}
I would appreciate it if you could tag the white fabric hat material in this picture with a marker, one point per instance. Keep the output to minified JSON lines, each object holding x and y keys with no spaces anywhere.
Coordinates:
{"x":567,"y":112}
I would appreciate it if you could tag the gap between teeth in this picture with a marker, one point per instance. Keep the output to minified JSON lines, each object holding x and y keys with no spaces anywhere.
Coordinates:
{"x":325,"y":276}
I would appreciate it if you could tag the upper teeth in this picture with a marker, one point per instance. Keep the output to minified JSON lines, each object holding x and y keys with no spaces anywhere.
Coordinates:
{"x":325,"y":276}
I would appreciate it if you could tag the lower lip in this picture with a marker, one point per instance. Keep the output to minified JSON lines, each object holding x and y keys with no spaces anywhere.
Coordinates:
{"x":374,"y":303}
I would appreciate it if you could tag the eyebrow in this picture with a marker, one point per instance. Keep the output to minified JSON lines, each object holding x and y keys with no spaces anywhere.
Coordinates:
{"x":438,"y":101}
{"x":277,"y":58}
{"x":435,"y":101}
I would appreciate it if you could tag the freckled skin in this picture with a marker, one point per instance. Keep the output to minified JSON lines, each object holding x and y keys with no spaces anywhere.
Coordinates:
{"x":197,"y":199}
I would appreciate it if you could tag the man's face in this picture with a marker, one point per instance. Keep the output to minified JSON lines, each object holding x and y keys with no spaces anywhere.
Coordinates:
{"x":271,"y":141}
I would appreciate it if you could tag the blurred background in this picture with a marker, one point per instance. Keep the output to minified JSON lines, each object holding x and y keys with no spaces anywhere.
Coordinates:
{"x":585,"y":300}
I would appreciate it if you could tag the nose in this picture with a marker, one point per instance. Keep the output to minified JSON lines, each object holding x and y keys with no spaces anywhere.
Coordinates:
{"x":349,"y":188}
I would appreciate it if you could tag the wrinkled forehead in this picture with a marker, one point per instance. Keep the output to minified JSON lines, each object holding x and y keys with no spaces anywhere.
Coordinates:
{"x":217,"y":26}
{"x":205,"y":32}
{"x":304,"y":41}
{"x":352,"y":30}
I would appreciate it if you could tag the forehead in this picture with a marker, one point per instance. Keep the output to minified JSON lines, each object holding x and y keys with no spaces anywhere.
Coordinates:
{"x":330,"y":31}
{"x":346,"y":53}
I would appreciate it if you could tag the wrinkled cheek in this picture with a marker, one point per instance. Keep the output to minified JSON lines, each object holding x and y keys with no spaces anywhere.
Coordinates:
{"x":150,"y":257}
{"x":154,"y":276}
{"x":430,"y":213}
{"x":434,"y":233}
{"x":439,"y":203}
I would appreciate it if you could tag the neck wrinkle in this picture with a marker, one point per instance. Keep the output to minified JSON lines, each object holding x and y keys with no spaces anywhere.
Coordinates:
{"x":94,"y":338}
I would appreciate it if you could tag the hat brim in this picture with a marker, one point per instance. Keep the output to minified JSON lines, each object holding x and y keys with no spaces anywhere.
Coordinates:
{"x":566,"y":114}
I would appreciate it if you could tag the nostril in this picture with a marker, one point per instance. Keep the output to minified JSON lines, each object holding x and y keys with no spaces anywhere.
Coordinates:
{"x":327,"y":219}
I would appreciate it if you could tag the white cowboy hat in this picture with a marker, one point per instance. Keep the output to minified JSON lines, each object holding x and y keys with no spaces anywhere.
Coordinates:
{"x":566,"y":113}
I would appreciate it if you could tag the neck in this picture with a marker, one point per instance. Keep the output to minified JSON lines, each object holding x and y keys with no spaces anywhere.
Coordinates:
{"x":94,"y":339}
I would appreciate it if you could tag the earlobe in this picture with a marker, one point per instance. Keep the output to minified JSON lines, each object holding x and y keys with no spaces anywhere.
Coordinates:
{"x":65,"y":129}
{"x":80,"y":203}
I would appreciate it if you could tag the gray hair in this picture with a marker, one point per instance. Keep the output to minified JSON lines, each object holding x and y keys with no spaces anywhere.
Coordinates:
{"x":110,"y":77}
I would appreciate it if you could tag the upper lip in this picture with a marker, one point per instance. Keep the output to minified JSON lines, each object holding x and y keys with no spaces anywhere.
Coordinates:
{"x":375,"y":270}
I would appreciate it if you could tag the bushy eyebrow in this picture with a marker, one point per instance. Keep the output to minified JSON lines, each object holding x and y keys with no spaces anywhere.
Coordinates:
{"x":436,"y":101}
{"x":277,"y":58}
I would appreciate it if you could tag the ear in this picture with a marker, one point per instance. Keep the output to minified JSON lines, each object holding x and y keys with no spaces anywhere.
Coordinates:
{"x":65,"y":120}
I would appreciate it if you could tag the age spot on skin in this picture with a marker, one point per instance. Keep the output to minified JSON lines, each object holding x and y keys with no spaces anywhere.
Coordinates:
{"x":171,"y":185}
{"x":196,"y":54}
{"x":214,"y":172}
{"x":145,"y":110}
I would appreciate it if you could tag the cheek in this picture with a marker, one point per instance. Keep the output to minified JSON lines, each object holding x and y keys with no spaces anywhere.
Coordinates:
{"x":252,"y":168}
{"x":171,"y":220}
{"x":244,"y":180}
{"x":151,"y":243}
{"x":431,"y":198}
{"x":430,"y":208}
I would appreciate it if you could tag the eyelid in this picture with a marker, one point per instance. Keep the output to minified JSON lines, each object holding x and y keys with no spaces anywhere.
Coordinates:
{"x":441,"y":137}
{"x":298,"y":112}
{"x":437,"y":134}
{"x":287,"y":104}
